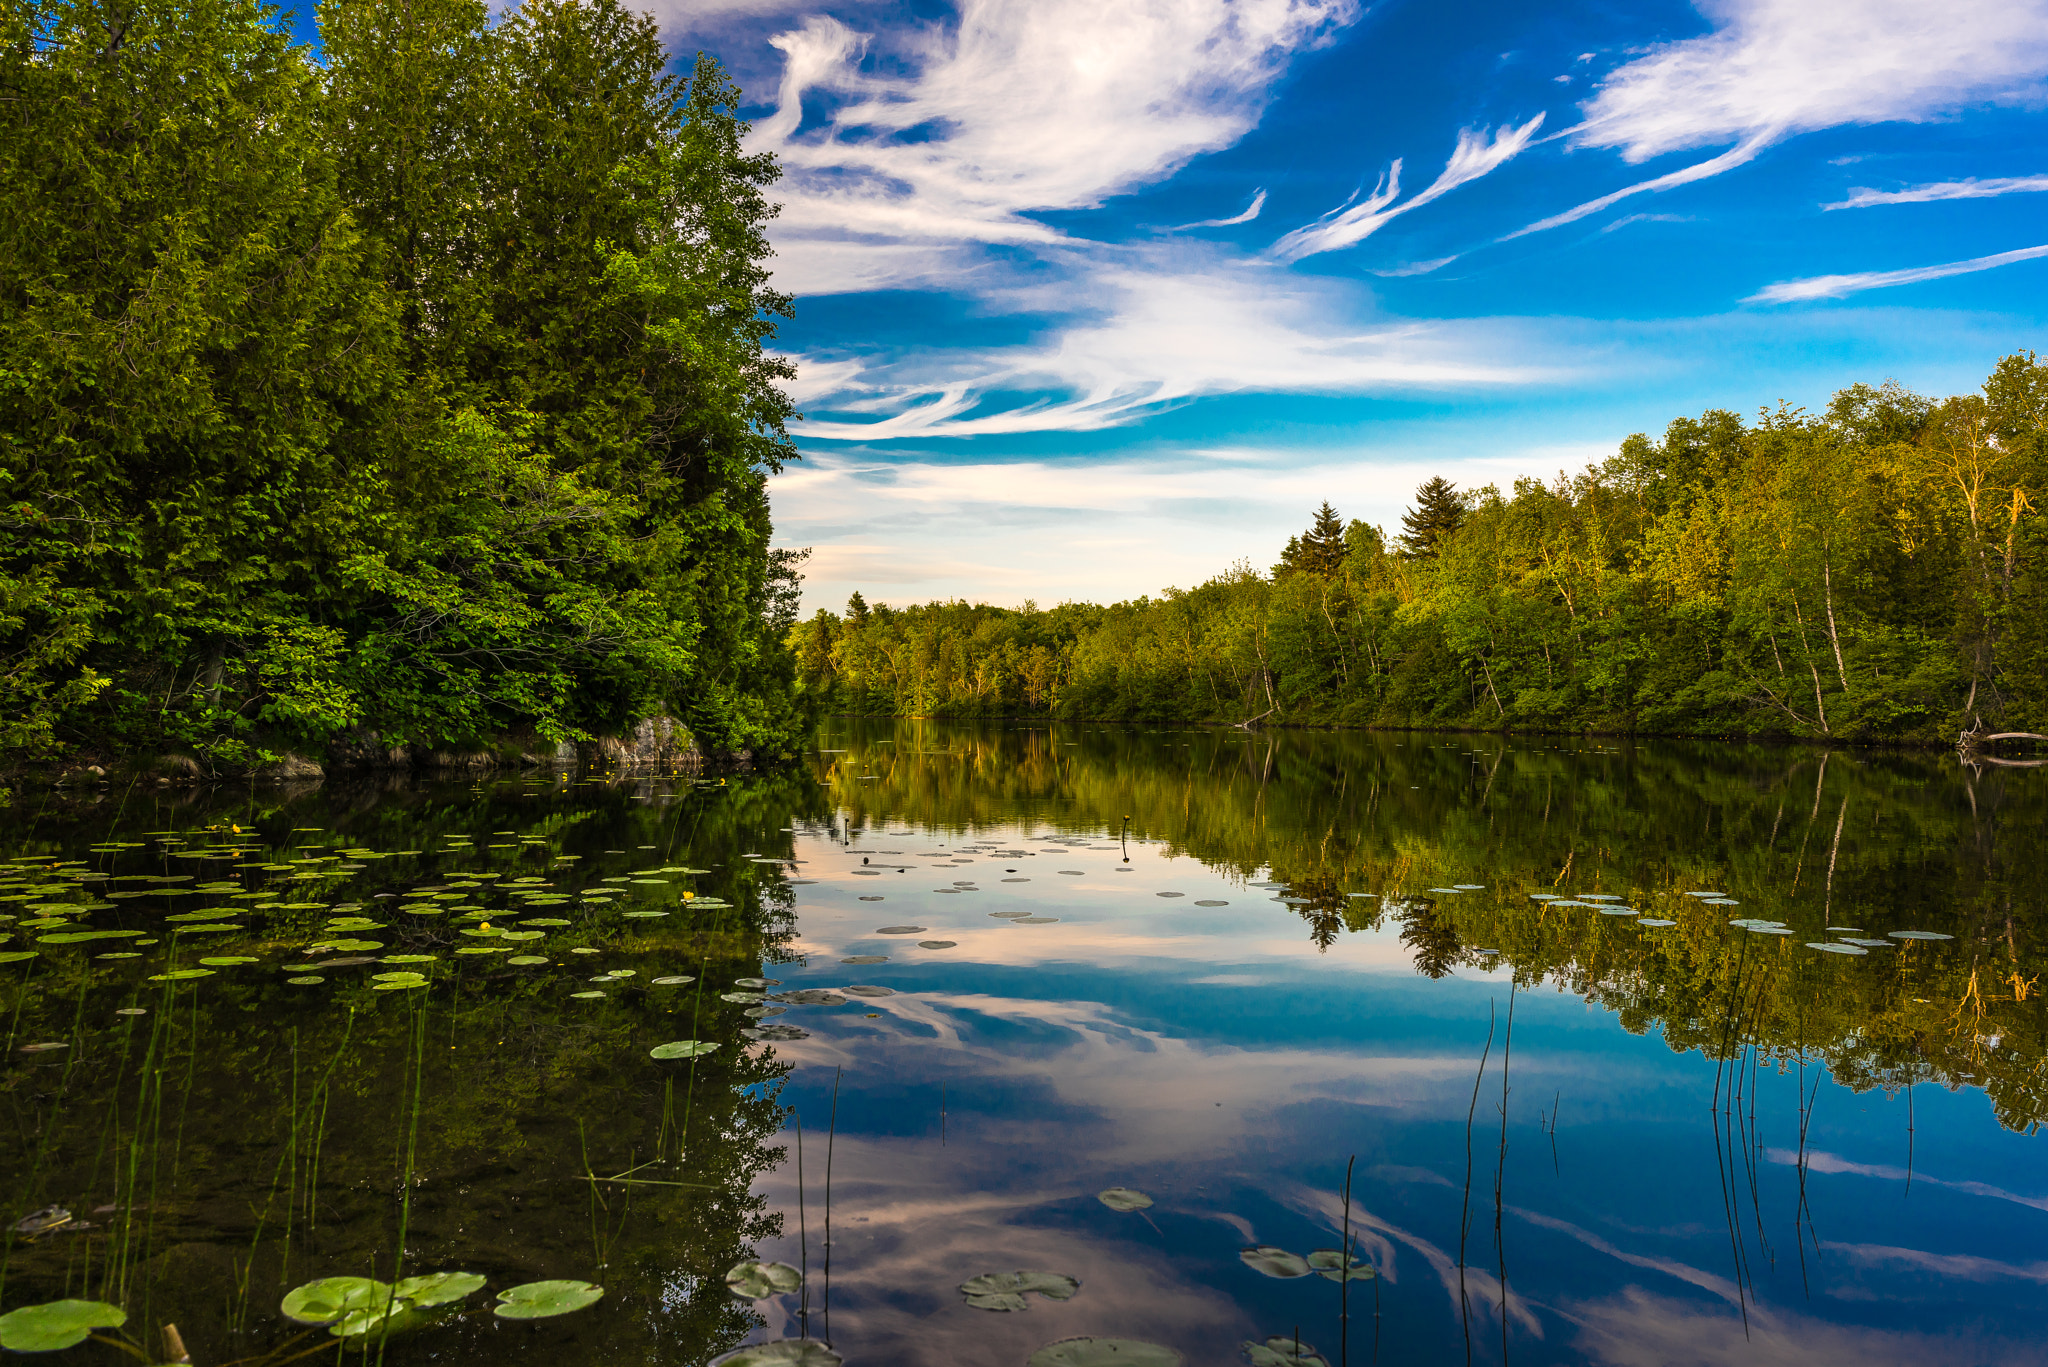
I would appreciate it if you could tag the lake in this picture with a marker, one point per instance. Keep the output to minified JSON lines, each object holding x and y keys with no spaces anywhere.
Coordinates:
{"x":1569,"y":1050}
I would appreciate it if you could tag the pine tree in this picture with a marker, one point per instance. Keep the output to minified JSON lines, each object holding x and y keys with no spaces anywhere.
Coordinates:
{"x":857,"y":610}
{"x":1319,"y":550}
{"x":1438,"y":513}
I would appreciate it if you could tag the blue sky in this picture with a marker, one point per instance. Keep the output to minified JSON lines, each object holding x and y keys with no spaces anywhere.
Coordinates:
{"x":1098,"y":296}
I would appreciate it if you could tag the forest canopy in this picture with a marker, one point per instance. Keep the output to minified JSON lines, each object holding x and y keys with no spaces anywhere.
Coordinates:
{"x":420,"y":388}
{"x":1875,"y":571}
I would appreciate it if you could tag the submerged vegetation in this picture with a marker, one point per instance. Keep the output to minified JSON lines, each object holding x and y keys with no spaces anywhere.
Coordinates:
{"x":419,"y":389}
{"x":1877,"y":571}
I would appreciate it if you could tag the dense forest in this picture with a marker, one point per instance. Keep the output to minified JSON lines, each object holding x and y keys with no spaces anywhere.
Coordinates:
{"x":1877,"y":571}
{"x":419,"y":386}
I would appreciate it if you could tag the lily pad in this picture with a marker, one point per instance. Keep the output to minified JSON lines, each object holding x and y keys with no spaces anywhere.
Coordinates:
{"x":901,"y":930}
{"x":333,"y":1298}
{"x":781,"y":1353}
{"x":1283,"y":1350}
{"x":1829,"y":948}
{"x":176,"y":974}
{"x":16,"y":956}
{"x":753,"y":1281}
{"x":776,"y":1032}
{"x":809,"y":996}
{"x":1006,"y":1290}
{"x":674,"y":980}
{"x":585,"y":996}
{"x":56,"y":1325}
{"x":544,"y":1300}
{"x":1212,"y":902}
{"x":305,"y":980}
{"x":856,"y":959}
{"x":1330,"y":1263}
{"x":683,"y":1048}
{"x":938,"y":944}
{"x":1123,"y":1198}
{"x":439,"y":1288}
{"x":1009,"y":915}
{"x":869,"y":991}
{"x":1034,"y":920}
{"x":1104,"y":1352}
{"x":1918,"y":935}
{"x":1269,"y":1261}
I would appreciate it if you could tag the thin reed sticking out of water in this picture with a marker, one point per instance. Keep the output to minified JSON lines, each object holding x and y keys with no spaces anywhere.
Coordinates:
{"x":1344,"y":1269}
{"x":803,"y":1230}
{"x":831,"y":1134}
{"x":1465,"y":1213}
{"x":1500,"y":1174}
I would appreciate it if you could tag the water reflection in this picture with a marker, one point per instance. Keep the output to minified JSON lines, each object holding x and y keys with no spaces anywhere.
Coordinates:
{"x":1227,"y":969}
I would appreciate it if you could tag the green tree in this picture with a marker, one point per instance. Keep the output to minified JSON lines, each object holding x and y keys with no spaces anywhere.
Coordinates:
{"x":1438,"y":513}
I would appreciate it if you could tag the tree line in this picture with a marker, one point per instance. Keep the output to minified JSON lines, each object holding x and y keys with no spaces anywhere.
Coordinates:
{"x":420,"y":387}
{"x":1878,"y":570}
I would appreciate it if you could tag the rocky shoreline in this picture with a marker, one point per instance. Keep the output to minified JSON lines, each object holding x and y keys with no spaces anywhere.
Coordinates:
{"x":653,"y":743}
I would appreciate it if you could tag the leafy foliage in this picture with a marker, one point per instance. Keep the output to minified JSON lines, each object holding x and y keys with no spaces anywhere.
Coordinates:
{"x":423,"y":389}
{"x":1876,"y":571}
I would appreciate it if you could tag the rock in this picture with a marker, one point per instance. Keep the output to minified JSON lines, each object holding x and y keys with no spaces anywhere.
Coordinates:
{"x":653,"y":741}
{"x":362,"y":749}
{"x":292,"y":768}
{"x":470,"y":759}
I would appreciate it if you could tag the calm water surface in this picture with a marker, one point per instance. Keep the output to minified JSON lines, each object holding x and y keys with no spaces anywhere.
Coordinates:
{"x":1223,"y":971}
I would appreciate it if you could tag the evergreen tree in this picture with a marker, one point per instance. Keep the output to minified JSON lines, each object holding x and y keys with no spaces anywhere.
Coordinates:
{"x":1319,"y":551}
{"x":1438,"y":513}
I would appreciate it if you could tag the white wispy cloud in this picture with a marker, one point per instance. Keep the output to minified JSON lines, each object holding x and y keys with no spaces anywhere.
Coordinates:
{"x":1017,"y":106}
{"x":1841,"y":286}
{"x":1169,"y":325}
{"x":1971,"y":188}
{"x":1251,"y":212}
{"x":1774,"y":68}
{"x":1477,"y":153}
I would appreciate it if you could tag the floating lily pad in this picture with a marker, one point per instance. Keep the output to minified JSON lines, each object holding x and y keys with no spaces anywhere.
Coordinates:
{"x":585,"y":996}
{"x":1283,"y":1350}
{"x":525,"y":960}
{"x":781,"y":1353}
{"x":1009,"y":915}
{"x":874,"y":899}
{"x":178,"y":973}
{"x":15,"y":956}
{"x":869,"y":991}
{"x":674,"y":980}
{"x":683,"y":1048}
{"x":746,"y":998}
{"x":1104,"y":1352}
{"x":901,"y":930}
{"x":856,"y":959}
{"x":1123,"y":1198}
{"x":1212,"y":902}
{"x":439,"y":1288}
{"x":544,"y":1300}
{"x":1653,"y":921}
{"x":938,"y":944}
{"x":1330,"y":1263}
{"x":228,"y":961}
{"x":776,"y":1032}
{"x":1034,"y":920}
{"x":1006,"y":1290}
{"x":1918,"y":935}
{"x":752,"y":1281}
{"x":57,"y":1325}
{"x":1273,"y":1262}
{"x":332,"y":1298}
{"x":1827,"y":947}
{"x":306,"y":980}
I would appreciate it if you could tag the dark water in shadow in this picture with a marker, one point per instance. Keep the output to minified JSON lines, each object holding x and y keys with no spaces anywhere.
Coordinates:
{"x":1689,"y":1143}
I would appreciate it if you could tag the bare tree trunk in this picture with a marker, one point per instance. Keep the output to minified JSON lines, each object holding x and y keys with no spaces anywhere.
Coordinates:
{"x":1827,"y":580}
